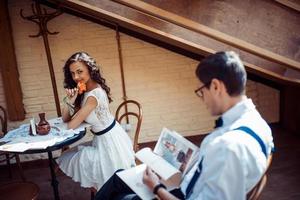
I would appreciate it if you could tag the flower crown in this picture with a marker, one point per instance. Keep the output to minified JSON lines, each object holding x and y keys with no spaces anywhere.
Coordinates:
{"x":87,"y":59}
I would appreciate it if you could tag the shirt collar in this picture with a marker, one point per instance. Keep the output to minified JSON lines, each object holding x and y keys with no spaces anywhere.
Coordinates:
{"x":235,"y":112}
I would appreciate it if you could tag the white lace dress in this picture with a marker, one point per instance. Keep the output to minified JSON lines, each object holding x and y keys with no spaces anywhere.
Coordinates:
{"x":93,"y":165}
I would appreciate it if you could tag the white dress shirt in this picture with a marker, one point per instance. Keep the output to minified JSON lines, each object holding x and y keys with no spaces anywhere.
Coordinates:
{"x":233,"y":161}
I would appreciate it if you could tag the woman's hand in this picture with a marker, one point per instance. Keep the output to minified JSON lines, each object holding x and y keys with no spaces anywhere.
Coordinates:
{"x":71,"y":94}
{"x":150,"y":178}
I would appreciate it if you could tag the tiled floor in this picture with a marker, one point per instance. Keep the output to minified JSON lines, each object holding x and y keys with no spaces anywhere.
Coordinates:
{"x":283,"y":179}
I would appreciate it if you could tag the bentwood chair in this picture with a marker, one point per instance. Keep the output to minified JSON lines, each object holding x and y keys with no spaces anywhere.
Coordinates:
{"x":129,"y":115}
{"x":255,"y":193}
{"x":19,"y":190}
{"x":257,"y":190}
{"x":4,"y":156}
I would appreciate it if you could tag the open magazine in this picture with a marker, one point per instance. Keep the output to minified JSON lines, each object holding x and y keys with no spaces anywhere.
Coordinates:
{"x":172,"y":157}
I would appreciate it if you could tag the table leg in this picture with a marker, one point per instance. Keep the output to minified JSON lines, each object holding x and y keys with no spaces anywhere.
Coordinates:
{"x":54,"y":181}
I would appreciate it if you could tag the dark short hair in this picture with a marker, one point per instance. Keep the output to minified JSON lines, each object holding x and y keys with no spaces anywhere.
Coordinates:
{"x":226,"y":67}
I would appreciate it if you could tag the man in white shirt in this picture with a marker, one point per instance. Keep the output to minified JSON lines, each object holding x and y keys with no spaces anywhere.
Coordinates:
{"x":233,"y":157}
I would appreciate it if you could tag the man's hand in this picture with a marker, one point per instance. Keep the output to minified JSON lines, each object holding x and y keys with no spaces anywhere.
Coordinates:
{"x":150,"y":178}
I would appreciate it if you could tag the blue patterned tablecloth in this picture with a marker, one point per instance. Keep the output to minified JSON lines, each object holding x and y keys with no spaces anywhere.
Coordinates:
{"x":20,"y":140}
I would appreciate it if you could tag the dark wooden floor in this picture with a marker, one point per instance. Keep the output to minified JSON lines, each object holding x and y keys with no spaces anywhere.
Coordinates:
{"x":283,"y":178}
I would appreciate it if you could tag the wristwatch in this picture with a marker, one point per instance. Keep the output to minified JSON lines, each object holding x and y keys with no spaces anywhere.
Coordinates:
{"x":156,"y":188}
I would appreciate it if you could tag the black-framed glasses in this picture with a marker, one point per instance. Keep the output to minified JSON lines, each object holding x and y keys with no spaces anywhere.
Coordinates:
{"x":199,"y":91}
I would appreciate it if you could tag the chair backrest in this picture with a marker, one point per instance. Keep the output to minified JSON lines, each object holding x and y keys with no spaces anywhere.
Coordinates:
{"x":4,"y":156}
{"x":257,"y":190}
{"x":3,"y":120}
{"x":255,"y":193}
{"x":19,"y":190}
{"x":129,"y":113}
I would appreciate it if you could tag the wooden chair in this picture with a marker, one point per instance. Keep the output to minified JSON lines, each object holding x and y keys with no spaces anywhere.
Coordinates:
{"x":129,"y":120}
{"x":255,"y":193}
{"x":257,"y":190}
{"x":4,"y":156}
{"x":15,"y":190}
{"x":129,"y":115}
{"x":19,"y":190}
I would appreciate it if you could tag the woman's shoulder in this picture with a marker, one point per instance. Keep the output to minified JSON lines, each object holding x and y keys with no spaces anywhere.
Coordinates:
{"x":94,"y":91}
{"x":97,"y":92}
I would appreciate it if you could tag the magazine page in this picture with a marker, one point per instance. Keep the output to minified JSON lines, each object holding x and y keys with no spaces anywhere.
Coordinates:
{"x":164,"y":169}
{"x":176,"y":150}
{"x":171,"y":158}
{"x":133,"y":177}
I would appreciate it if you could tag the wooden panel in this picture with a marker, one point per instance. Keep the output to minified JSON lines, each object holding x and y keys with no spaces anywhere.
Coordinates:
{"x":157,"y":29}
{"x":217,"y":35}
{"x":9,"y":70}
{"x":290,"y":4}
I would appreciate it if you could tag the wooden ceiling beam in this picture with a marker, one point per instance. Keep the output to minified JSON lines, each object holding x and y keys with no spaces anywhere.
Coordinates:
{"x":212,"y":33}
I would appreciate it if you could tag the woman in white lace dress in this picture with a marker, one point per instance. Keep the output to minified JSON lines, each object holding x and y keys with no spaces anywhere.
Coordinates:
{"x":111,"y":148}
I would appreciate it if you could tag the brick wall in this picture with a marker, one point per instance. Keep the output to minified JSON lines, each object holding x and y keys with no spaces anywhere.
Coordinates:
{"x":162,"y":81}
